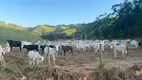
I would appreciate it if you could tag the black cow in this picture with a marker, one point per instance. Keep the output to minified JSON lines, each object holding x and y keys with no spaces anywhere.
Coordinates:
{"x":67,"y":48}
{"x":14,"y":44}
{"x":31,"y":47}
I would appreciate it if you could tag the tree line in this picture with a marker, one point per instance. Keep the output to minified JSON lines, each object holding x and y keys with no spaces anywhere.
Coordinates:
{"x":124,"y":22}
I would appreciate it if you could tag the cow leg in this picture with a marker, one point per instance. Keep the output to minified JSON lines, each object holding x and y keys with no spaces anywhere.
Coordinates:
{"x":42,"y":50}
{"x":64,"y":52}
{"x":49,"y":59}
{"x":20,"y":48}
{"x":123,"y":54}
{"x":30,"y":62}
{"x":115,"y":54}
{"x":53,"y":59}
{"x":37,"y":49}
{"x":10,"y":48}
{"x":72,"y":52}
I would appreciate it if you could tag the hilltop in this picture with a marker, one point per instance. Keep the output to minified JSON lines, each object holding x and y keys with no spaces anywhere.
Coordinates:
{"x":53,"y":32}
{"x":15,"y":32}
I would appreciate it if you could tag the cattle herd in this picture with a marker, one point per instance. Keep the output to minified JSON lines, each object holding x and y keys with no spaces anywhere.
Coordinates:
{"x":54,"y":48}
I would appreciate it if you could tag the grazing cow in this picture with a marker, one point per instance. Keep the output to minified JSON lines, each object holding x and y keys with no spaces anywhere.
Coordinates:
{"x":14,"y":44}
{"x":31,"y":47}
{"x":67,"y":48}
{"x":35,"y":58}
{"x":50,"y":50}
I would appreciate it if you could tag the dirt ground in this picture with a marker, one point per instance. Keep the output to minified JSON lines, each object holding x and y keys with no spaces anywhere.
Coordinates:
{"x":81,"y":62}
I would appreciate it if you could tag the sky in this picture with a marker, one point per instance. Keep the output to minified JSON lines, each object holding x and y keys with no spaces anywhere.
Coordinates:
{"x":30,"y":13}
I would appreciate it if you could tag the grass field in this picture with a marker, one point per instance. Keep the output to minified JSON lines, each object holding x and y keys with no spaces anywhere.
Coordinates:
{"x":14,"y":34}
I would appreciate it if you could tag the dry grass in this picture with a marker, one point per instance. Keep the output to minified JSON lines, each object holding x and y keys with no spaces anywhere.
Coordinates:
{"x":72,"y":67}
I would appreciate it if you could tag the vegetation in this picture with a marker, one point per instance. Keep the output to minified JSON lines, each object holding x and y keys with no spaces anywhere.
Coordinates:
{"x":124,"y":22}
{"x":12,"y":72}
{"x":14,"y":34}
{"x":42,"y":29}
{"x":35,"y":73}
{"x":69,"y":32}
{"x":52,"y":32}
{"x":13,"y":26}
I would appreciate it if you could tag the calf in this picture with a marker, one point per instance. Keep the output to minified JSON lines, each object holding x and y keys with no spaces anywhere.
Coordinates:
{"x":14,"y":44}
{"x":35,"y":58}
{"x":67,"y":48}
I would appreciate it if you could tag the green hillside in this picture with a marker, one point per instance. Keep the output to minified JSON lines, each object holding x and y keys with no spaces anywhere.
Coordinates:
{"x":42,"y":29}
{"x":17,"y":27}
{"x":70,"y":31}
{"x":13,"y":26}
{"x":51,"y":30}
{"x":63,"y":27}
{"x":14,"y":34}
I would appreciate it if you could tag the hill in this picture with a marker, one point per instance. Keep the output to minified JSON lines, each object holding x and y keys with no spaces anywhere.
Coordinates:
{"x":52,"y":32}
{"x":15,"y":34}
{"x":43,"y":29}
{"x":13,"y":26}
{"x":69,"y":32}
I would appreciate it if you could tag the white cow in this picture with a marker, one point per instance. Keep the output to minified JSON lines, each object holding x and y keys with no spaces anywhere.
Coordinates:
{"x":96,"y":47}
{"x":35,"y":58}
{"x":134,"y":44}
{"x":50,"y":51}
{"x":120,"y":48}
